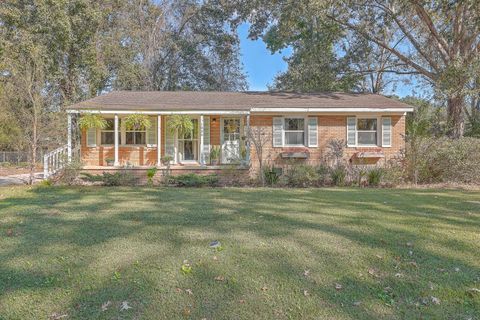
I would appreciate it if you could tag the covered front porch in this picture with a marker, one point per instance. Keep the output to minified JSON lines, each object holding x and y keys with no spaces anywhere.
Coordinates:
{"x":215,"y":140}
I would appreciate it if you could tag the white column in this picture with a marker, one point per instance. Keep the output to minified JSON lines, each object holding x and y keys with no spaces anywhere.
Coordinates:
{"x":159,"y":140}
{"x":69,"y":137}
{"x":116,"y":163}
{"x":247,"y":139}
{"x":202,"y":129}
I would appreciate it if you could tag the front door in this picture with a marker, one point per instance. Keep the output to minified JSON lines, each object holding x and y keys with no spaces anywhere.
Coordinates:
{"x":230,"y":140}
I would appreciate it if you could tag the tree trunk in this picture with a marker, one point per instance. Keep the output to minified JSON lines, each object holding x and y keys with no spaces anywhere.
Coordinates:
{"x":455,"y":117}
{"x":33,"y":163}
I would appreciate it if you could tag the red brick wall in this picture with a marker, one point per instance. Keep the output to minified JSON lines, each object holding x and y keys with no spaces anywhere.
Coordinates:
{"x":329,"y":127}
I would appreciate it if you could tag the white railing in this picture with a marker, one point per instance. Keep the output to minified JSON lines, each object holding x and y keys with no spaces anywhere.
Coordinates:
{"x":55,"y":160}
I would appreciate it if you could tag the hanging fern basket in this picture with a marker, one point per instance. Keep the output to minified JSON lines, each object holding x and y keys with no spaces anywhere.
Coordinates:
{"x":180,"y":123}
{"x":90,"y":121}
{"x":137,"y":122}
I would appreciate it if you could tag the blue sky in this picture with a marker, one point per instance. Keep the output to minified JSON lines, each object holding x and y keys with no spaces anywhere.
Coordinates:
{"x":261,"y":65}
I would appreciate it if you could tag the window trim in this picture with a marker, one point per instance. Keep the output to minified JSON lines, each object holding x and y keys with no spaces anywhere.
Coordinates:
{"x":305,"y":128}
{"x":124,"y":131}
{"x":112,"y":131}
{"x":367,"y":131}
{"x":195,"y":140}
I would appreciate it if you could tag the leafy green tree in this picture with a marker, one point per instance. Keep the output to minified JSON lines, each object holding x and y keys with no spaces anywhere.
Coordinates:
{"x":438,"y":41}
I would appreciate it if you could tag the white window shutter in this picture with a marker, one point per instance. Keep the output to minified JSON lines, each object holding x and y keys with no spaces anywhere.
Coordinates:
{"x":313,"y":132}
{"x":169,"y":141}
{"x":386,"y":132}
{"x":278,"y":132}
{"x":152,"y":133}
{"x":206,"y":139}
{"x":92,"y":137}
{"x":351,"y":131}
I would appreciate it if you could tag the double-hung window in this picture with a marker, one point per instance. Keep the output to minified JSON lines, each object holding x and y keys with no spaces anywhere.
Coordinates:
{"x":294,"y":131}
{"x":367,"y":132}
{"x":135,"y":136}
{"x":108,"y":133}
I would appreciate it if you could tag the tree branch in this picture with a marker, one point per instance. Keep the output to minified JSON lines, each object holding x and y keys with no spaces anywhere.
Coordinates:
{"x":402,"y":57}
{"x":442,"y":44}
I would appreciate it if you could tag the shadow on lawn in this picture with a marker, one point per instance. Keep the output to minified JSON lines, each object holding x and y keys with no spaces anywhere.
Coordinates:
{"x":382,"y":215}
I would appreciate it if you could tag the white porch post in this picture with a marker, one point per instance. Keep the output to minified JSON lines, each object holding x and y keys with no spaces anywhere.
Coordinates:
{"x":159,"y":140}
{"x":116,"y":162}
{"x":202,"y":129}
{"x":69,"y":137}
{"x":248,"y":140}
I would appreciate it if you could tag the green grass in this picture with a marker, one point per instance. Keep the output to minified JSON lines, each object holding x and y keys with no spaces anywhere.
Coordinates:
{"x":69,"y":250}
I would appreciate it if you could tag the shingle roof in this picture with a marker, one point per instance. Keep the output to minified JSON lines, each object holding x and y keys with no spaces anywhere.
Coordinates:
{"x":195,"y":100}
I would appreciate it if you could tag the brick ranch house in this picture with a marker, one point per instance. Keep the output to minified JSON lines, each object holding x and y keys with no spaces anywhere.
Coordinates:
{"x":298,"y":128}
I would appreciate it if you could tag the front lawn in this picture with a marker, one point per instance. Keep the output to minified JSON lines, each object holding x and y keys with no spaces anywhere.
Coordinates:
{"x":285,"y":254}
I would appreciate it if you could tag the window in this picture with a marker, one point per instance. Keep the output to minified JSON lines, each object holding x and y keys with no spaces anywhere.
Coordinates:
{"x":108,"y":134}
{"x":366,"y":132}
{"x":136,"y":136}
{"x":294,"y":130}
{"x":188,"y":144}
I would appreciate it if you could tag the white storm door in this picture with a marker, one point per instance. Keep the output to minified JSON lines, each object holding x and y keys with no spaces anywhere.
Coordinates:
{"x":230,"y":134}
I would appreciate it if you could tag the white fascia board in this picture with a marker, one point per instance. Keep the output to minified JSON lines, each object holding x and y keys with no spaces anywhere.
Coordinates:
{"x":197,"y":112}
{"x":329,"y":110}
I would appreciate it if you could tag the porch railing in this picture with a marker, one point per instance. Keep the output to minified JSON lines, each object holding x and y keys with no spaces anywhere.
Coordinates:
{"x":56,"y":160}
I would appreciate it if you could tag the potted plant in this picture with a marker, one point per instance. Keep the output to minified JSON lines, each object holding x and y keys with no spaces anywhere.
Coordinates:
{"x":110,"y":162}
{"x":215,"y":155}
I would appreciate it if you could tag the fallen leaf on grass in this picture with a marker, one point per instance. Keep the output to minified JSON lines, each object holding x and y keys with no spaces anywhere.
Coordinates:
{"x":264,"y":289}
{"x":306,"y":293}
{"x":189,"y":291}
{"x":473,"y":291}
{"x":413,"y":264}
{"x":306,"y":273}
{"x":373,"y":272}
{"x":435,"y":300}
{"x":178,"y":290}
{"x":187,"y":312}
{"x":219,"y":278}
{"x":215,"y":258}
{"x":338,"y":286}
{"x":58,"y":316}
{"x":106,"y":305}
{"x":398,"y":275}
{"x":241,"y":301}
{"x":124,"y":306}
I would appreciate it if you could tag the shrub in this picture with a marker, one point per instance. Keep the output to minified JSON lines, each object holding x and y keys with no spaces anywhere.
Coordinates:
{"x":374,"y":176}
{"x":150,"y":174}
{"x":70,"y":173}
{"x":272,"y":175}
{"x":122,"y":178}
{"x":194,"y":180}
{"x":301,"y":176}
{"x":323,"y":172}
{"x":338,"y":175}
{"x":433,"y":160}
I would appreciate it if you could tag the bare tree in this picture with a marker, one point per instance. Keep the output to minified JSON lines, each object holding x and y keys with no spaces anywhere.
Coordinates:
{"x":28,"y":102}
{"x":259,"y":137}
